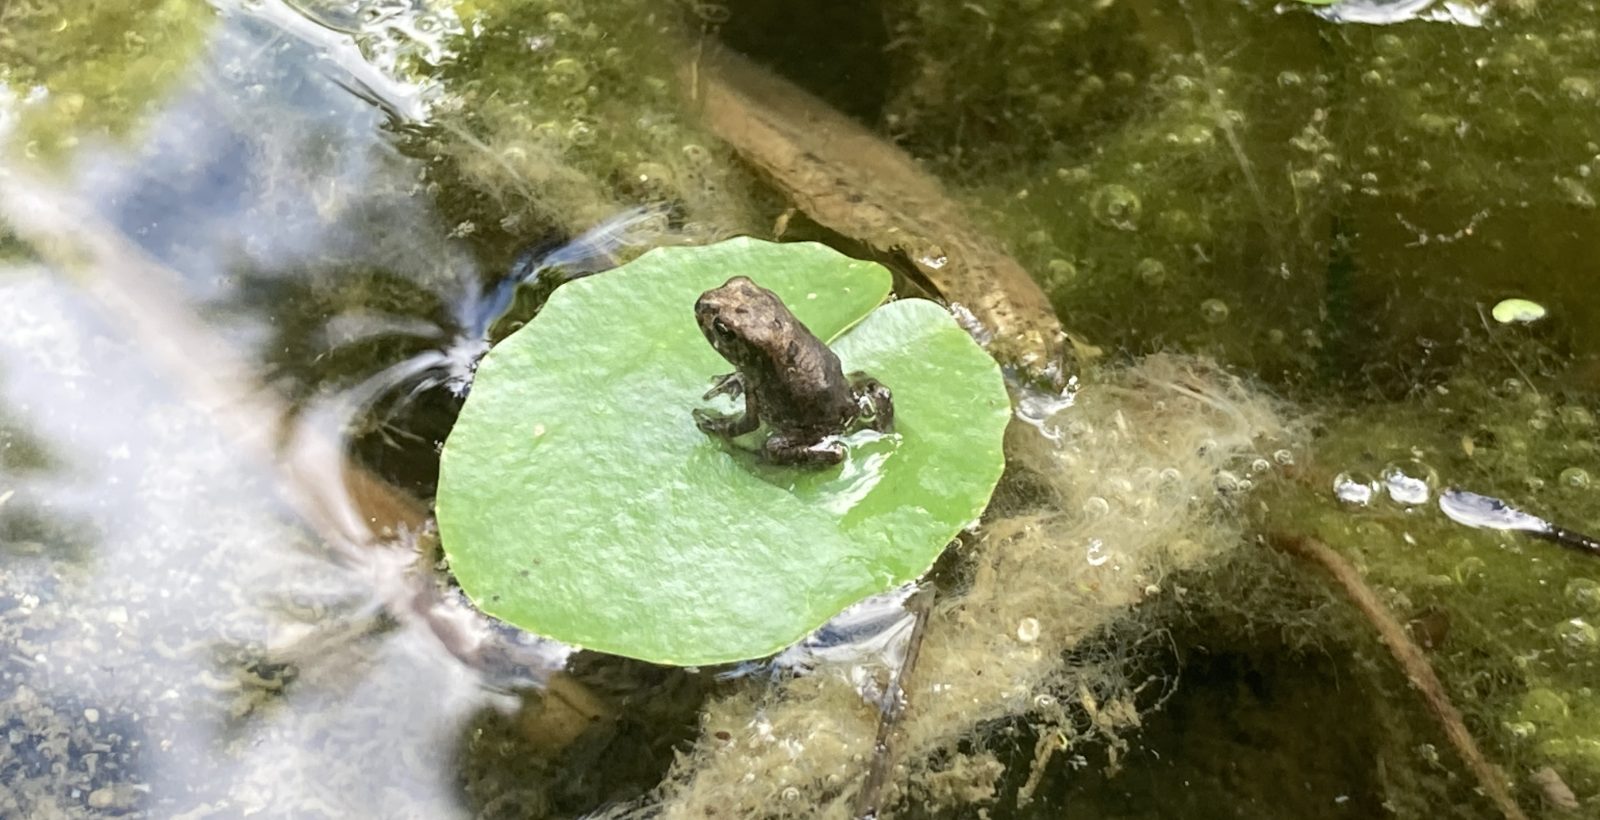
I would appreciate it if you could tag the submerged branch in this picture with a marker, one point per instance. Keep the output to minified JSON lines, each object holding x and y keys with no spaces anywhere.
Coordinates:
{"x":852,"y":181}
{"x":869,"y":801}
{"x":1411,"y":659}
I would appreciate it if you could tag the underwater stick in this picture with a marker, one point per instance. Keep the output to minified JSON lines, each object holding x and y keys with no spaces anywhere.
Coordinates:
{"x":869,"y":801}
{"x":1411,"y":659}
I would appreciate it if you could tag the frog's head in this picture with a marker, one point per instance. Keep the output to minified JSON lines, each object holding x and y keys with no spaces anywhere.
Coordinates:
{"x":743,"y":321}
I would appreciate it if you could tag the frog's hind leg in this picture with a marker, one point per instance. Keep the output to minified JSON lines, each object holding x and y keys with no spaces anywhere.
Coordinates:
{"x":799,"y":451}
{"x":874,"y":402}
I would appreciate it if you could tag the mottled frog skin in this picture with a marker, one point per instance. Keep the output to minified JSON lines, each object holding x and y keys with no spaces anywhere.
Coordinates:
{"x":790,"y":380}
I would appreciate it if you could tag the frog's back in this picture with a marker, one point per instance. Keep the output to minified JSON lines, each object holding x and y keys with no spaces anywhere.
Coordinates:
{"x":812,"y":392}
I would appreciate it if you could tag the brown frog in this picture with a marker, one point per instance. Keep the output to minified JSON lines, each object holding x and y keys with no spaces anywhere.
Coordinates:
{"x":790,"y":380}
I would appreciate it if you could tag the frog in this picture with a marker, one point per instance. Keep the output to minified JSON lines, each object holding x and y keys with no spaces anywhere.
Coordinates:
{"x":791,"y":380}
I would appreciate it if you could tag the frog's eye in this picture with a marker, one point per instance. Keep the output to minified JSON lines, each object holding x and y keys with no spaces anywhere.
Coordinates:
{"x":721,"y":328}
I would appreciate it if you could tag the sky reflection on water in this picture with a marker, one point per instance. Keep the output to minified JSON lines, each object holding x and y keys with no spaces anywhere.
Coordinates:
{"x":180,"y":641}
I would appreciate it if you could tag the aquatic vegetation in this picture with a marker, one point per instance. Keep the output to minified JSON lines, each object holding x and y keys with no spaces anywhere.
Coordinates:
{"x":1516,"y":609}
{"x":1331,"y":210}
{"x":85,"y":69}
{"x":559,"y":113}
{"x":578,"y":500}
{"x":1107,"y":500}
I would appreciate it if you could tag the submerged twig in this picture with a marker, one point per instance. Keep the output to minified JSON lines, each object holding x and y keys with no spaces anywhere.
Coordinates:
{"x":1488,"y":331}
{"x":1411,"y":659}
{"x":869,"y":801}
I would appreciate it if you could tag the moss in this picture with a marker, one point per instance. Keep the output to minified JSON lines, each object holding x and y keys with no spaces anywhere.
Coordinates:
{"x":99,"y":66}
{"x":12,"y":247}
{"x":1103,"y":504}
{"x":983,"y":86}
{"x":561,"y":113}
{"x":1510,"y":617}
{"x":1350,"y":194}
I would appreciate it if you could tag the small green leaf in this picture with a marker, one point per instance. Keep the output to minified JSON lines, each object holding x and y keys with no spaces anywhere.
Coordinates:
{"x":577,"y":498}
{"x":1517,"y":311}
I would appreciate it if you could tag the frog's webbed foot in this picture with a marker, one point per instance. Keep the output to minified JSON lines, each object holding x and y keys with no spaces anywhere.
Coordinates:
{"x":730,"y":385}
{"x":730,"y":426}
{"x":799,"y":452}
{"x":874,"y":402}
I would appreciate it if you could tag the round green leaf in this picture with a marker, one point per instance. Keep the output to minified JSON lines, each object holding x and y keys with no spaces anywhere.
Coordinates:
{"x":578,"y":500}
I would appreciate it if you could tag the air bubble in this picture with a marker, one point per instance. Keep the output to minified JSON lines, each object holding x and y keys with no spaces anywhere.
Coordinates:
{"x":1214,"y":311}
{"x":581,"y":134}
{"x":1151,"y":272}
{"x":1028,"y":630}
{"x":1406,"y":488}
{"x":1575,"y":477}
{"x":1116,"y":206}
{"x":1283,"y":457}
{"x":1351,"y":490}
{"x":1577,"y":635}
{"x":1575,"y":417}
{"x":1584,"y":593}
{"x":1096,"y":553}
{"x":567,"y":74}
{"x":1542,"y":706}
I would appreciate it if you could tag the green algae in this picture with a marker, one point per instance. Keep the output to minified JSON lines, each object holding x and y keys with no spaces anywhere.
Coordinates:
{"x":1510,"y":616}
{"x":1335,"y":208}
{"x":101,"y":67}
{"x":560,"y":113}
{"x":1311,"y":177}
{"x":1356,"y":159}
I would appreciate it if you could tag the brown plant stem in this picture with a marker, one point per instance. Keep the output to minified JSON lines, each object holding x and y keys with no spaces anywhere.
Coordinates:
{"x":869,"y":801}
{"x":1411,"y":659}
{"x":850,"y":180}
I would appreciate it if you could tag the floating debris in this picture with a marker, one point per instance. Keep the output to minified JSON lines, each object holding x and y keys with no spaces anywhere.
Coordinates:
{"x":1387,"y":12}
{"x":1487,"y":512}
{"x":1518,"y":312}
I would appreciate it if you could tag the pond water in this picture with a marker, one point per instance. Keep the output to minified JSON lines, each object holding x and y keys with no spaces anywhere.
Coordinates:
{"x":250,"y":249}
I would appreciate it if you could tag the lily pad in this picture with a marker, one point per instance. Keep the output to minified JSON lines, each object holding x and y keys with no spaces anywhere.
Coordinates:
{"x":578,"y":500}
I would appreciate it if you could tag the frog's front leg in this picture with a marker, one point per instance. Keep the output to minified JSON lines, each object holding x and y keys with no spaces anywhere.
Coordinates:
{"x":729,"y":384}
{"x":729,"y":426}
